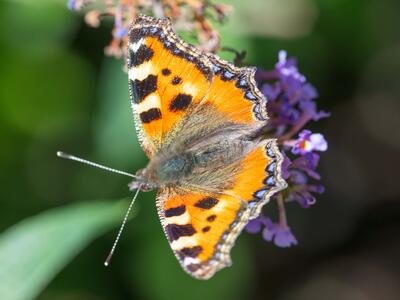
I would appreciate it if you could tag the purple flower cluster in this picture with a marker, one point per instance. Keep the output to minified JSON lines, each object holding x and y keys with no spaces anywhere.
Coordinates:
{"x":291,"y":105}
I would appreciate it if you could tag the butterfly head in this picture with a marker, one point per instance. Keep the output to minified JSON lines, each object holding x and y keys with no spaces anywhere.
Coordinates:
{"x":142,"y":181}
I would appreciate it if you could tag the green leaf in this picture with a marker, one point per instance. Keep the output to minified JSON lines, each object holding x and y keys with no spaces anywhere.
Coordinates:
{"x":33,"y":251}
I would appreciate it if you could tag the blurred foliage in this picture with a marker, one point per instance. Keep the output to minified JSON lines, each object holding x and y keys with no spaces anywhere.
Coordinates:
{"x":115,"y":116}
{"x":58,"y":92}
{"x":35,"y":250}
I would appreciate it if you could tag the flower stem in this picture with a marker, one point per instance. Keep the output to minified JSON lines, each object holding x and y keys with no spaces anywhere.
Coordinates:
{"x":282,"y":212}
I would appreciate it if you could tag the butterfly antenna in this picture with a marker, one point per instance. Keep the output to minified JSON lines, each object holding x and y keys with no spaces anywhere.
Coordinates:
{"x":93,"y":164}
{"x":107,"y":261}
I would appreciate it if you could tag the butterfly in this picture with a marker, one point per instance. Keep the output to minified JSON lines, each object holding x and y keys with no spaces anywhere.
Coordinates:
{"x":199,"y":120}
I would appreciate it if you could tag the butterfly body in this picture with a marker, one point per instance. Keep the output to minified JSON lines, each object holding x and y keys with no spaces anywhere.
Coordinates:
{"x":204,"y":163}
{"x":199,"y":120}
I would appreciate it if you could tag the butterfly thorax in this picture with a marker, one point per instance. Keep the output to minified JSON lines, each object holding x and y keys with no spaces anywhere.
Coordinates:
{"x":172,"y":169}
{"x":202,"y":166}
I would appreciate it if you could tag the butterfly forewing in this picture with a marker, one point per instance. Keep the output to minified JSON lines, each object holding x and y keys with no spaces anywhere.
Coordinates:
{"x":167,"y":78}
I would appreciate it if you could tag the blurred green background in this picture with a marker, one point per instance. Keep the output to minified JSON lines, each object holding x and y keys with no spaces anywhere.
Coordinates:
{"x":58,"y":219}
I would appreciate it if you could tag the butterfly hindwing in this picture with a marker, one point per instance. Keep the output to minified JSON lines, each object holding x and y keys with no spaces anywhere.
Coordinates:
{"x":201,"y":228}
{"x":259,"y":176}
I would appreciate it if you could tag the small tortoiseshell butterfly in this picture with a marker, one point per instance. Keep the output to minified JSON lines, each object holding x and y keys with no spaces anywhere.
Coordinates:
{"x":199,"y":120}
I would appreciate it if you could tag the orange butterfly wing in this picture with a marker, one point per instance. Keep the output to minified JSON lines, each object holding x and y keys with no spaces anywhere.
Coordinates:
{"x":167,"y":77}
{"x":234,"y":93}
{"x":202,"y":227}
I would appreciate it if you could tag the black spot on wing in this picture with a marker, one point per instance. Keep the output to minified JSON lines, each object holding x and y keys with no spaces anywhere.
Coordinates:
{"x":190,"y":251}
{"x":150,"y":115}
{"x":206,"y":203}
{"x":180,"y":102}
{"x":134,"y":36}
{"x":166,"y":71}
{"x":206,"y":229}
{"x":175,"y":231}
{"x":175,"y":211}
{"x":142,"y":88}
{"x":142,"y":55}
{"x":211,"y":218}
{"x":176,"y":80}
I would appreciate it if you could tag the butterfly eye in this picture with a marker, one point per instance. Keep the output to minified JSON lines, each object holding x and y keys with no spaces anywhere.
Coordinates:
{"x":147,"y":187}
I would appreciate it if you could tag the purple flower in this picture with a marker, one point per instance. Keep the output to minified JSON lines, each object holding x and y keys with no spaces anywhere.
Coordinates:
{"x":287,"y":67}
{"x":307,"y":163}
{"x":302,"y":194}
{"x":285,"y":165}
{"x":308,"y":142}
{"x":282,"y":236}
{"x":255,"y":225}
{"x":301,"y":170}
{"x":309,"y":108}
{"x":297,"y":177}
{"x":279,"y":234}
{"x":303,"y":197}
{"x":76,"y":4}
{"x":308,"y":92}
{"x":271,"y":91}
{"x":72,"y":5}
{"x":120,"y":32}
